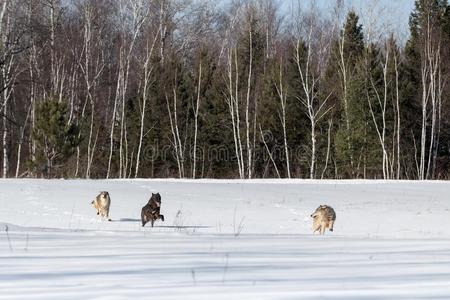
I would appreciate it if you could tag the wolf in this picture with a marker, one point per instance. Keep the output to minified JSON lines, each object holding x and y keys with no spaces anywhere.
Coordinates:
{"x":324,"y":218}
{"x":101,"y":203}
{"x":151,"y":211}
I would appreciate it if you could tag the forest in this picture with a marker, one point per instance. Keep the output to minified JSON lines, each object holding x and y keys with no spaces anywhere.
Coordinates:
{"x":221,"y":89}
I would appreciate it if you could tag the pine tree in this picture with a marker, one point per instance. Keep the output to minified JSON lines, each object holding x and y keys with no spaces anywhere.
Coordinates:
{"x":349,"y":139}
{"x":56,"y":139}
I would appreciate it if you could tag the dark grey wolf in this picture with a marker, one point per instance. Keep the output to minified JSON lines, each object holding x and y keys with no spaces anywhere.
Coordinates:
{"x":151,"y":211}
{"x":324,"y":218}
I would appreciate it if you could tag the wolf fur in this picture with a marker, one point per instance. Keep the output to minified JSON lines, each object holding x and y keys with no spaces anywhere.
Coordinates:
{"x":101,"y":203}
{"x":323,"y":218}
{"x":151,"y":211}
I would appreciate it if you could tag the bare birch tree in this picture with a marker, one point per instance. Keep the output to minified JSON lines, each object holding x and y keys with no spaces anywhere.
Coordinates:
{"x":133,"y":14}
{"x":91,"y":67}
{"x":9,"y":49}
{"x":232,"y":100}
{"x":382,"y":101}
{"x":177,"y":141}
{"x":432,"y":85}
{"x":232,"y":97}
{"x":282,"y":95}
{"x":249,"y":87}
{"x":146,"y":77}
{"x":310,"y":70}
{"x":342,"y":62}
{"x":197,"y":106}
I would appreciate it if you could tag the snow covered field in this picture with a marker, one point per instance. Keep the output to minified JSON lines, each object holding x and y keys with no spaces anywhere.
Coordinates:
{"x":225,"y":240}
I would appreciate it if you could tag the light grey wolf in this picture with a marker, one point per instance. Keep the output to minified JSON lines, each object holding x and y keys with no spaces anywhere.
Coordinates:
{"x":324,"y":218}
{"x":101,"y":203}
{"x":151,"y":211}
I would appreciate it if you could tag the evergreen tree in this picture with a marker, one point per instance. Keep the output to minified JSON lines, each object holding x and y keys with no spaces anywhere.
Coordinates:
{"x":56,"y":139}
{"x":350,"y":136}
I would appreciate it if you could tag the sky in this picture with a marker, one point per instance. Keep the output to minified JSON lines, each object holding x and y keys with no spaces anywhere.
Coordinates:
{"x":392,"y":14}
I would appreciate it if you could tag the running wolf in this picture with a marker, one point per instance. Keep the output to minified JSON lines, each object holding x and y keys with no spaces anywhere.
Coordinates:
{"x":324,"y":218}
{"x":101,"y":203}
{"x":151,"y":211}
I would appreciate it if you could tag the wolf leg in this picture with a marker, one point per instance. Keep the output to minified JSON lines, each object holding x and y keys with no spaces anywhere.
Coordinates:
{"x":143,"y":219}
{"x":315,"y":226}
{"x":153,"y":221}
{"x":322,"y":229}
{"x":331,"y":225}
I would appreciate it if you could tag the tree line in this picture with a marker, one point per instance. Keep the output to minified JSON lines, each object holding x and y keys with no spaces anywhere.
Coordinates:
{"x":221,"y":89}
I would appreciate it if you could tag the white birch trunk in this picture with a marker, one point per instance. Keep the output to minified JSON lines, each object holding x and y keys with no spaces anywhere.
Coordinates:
{"x":148,"y":70}
{"x":197,"y":106}
{"x":247,"y":106}
{"x":327,"y":158}
{"x":344,"y":73}
{"x":139,"y":14}
{"x":282,"y":95}
{"x":397,"y":98}
{"x":315,"y":108}
{"x":268,"y":152}
{"x":175,"y":134}
{"x":232,"y":103}
{"x":238,"y":118}
{"x":382,"y":103}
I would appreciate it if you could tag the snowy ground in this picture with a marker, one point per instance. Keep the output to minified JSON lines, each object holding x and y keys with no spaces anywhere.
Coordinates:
{"x":225,"y":240}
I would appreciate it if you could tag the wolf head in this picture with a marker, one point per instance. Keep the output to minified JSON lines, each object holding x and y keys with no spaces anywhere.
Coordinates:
{"x":102,"y":196}
{"x":319,"y":211}
{"x":156,"y":198}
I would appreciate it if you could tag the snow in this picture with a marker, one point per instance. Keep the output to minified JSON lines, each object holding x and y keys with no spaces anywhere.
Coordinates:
{"x":225,"y":239}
